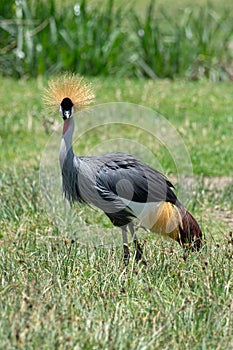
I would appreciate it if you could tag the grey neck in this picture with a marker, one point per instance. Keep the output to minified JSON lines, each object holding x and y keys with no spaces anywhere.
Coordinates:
{"x":66,"y":150}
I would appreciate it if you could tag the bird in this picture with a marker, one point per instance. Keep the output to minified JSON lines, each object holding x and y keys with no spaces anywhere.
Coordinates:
{"x":120,"y":184}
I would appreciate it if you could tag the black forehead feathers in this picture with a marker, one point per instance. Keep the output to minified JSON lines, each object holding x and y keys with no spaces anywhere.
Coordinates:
{"x":66,"y":104}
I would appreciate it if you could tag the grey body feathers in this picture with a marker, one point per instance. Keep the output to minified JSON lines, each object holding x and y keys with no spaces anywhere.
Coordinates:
{"x":104,"y":180}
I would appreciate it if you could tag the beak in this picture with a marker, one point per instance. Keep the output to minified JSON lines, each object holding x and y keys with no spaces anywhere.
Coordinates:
{"x":66,"y":114}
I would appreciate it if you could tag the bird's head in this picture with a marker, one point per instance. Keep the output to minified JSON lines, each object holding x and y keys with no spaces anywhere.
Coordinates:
{"x":69,"y":93}
{"x":66,"y":108}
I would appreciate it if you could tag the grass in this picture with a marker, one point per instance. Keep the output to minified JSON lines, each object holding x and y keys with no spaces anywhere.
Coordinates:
{"x":180,"y":5}
{"x":56,"y":294}
{"x":188,"y":47}
{"x":201,"y":116}
{"x":45,"y":37}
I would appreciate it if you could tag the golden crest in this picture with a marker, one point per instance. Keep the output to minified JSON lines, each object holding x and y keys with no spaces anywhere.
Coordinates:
{"x":71,"y":86}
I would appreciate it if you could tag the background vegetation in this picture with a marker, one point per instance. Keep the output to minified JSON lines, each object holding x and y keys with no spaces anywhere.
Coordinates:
{"x":42,"y":37}
{"x":55,"y":294}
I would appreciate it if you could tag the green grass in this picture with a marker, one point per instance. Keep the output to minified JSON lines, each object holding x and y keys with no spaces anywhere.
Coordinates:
{"x":58,"y":296}
{"x":180,"y":5}
{"x":45,"y":37}
{"x":202,"y":116}
{"x":61,"y":295}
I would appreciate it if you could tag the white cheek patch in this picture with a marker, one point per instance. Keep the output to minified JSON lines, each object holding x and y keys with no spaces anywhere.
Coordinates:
{"x":67,"y":114}
{"x":145,"y":212}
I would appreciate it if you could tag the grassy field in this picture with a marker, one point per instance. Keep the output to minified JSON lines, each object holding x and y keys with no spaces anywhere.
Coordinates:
{"x":61,"y":295}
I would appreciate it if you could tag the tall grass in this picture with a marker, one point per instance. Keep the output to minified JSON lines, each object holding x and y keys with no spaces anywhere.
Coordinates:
{"x":56,"y":294}
{"x":40,"y":37}
{"x":44,"y":39}
{"x":196,"y":46}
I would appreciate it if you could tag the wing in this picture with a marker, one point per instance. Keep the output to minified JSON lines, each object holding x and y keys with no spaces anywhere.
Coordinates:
{"x":127,"y":177}
{"x":112,"y":181}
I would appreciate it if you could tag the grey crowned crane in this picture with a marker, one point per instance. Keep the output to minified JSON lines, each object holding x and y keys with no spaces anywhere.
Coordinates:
{"x":120,"y":184}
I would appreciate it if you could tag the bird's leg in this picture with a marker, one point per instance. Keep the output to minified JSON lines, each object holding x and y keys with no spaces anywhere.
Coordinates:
{"x":139,"y":250}
{"x":125,"y":246}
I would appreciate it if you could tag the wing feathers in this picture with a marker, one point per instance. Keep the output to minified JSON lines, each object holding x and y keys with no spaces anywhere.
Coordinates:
{"x":128,"y":178}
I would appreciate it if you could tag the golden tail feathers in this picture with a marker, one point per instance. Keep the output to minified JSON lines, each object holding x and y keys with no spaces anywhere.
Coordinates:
{"x":177,"y":223}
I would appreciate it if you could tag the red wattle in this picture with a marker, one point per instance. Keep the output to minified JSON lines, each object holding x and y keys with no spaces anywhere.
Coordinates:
{"x":66,"y":126}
